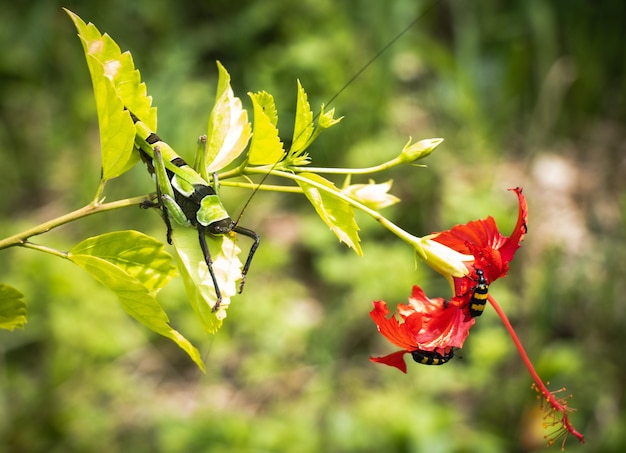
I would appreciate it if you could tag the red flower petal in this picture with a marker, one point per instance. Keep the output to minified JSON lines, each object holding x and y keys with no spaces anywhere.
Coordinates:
{"x":491,"y":250}
{"x":419,"y":302}
{"x":401,"y":334}
{"x":396,"y":360}
{"x":449,"y":327}
{"x":513,"y":243}
{"x":480,"y":233}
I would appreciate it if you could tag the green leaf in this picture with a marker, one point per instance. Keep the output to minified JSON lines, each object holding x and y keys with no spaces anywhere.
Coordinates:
{"x":117,"y":131}
{"x":117,"y":84}
{"x":303,"y":128}
{"x":198,"y":283}
{"x":266,"y":147}
{"x":135,"y":267}
{"x":137,"y":254}
{"x":229,"y":130}
{"x":266,"y":102}
{"x":12,"y":308}
{"x":335,"y":212}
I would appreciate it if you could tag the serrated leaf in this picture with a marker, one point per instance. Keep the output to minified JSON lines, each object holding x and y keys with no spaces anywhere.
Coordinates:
{"x":118,"y":67}
{"x":139,"y":255}
{"x":267,"y":104}
{"x":198,"y":283}
{"x":229,"y":130}
{"x":12,"y":308}
{"x":303,"y":128}
{"x":135,"y":267}
{"x":335,"y":212}
{"x":112,"y":69}
{"x":117,"y":131}
{"x":266,"y":147}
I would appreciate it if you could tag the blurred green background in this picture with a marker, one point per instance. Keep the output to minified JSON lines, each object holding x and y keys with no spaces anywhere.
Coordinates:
{"x":526,"y":93}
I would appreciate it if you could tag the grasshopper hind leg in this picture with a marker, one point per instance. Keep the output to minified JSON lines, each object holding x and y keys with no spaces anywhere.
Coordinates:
{"x":257,"y":240}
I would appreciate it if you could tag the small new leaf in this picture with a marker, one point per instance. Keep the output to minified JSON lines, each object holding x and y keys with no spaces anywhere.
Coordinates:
{"x":12,"y":308}
{"x":335,"y":212}
{"x":198,"y":283}
{"x":327,"y":119}
{"x":135,"y":267}
{"x":266,"y":147}
{"x":229,"y":130}
{"x":303,"y":128}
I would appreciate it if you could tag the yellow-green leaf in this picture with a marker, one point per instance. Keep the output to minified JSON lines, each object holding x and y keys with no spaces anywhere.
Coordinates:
{"x":117,"y":84}
{"x":198,"y":283}
{"x":334,"y":211}
{"x":266,"y":147}
{"x":117,"y":131}
{"x":135,"y":267}
{"x":12,"y":308}
{"x":303,"y":128}
{"x":229,"y":130}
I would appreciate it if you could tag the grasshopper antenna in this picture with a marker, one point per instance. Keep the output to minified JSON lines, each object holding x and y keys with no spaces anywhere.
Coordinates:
{"x":384,"y":49}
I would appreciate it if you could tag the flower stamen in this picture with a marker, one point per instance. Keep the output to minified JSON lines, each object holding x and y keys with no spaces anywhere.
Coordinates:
{"x":557,"y":407}
{"x":556,"y":415}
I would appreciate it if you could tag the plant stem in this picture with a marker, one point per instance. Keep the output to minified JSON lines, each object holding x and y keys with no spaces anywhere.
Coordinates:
{"x":269,"y":187}
{"x":43,"y":248}
{"x":395,"y":229}
{"x":351,"y":171}
{"x":547,"y":394}
{"x":92,"y":208}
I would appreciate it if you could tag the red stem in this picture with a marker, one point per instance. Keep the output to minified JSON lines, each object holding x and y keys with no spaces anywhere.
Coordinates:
{"x":549,"y":396}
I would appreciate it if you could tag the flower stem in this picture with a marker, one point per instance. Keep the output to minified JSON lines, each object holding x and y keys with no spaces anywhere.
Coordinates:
{"x":351,"y":171}
{"x":268,"y":187}
{"x":558,"y":405}
{"x":392,"y":227}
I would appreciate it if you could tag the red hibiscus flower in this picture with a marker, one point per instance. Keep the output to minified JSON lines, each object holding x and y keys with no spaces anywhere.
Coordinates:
{"x":471,"y":257}
{"x":428,"y":327}
{"x":434,"y":325}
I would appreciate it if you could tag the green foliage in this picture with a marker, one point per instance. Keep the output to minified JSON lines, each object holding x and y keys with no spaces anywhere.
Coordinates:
{"x":266,"y":147}
{"x":135,"y":267}
{"x":336,"y":213}
{"x":116,"y":84}
{"x":12,"y":308}
{"x":229,"y":131}
{"x":303,"y":123}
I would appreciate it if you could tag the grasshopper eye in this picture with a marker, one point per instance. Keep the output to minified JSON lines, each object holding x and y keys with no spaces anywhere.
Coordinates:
{"x":222,"y":226}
